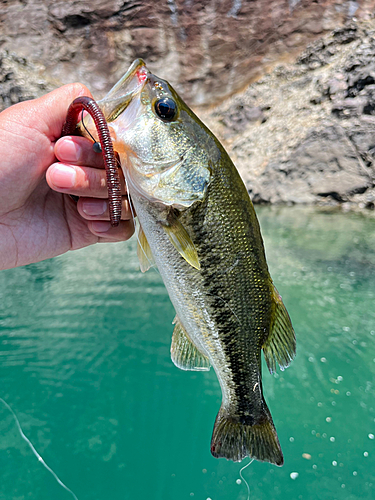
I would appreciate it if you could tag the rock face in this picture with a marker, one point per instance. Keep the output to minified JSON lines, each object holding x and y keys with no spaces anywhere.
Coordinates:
{"x":209,"y":49}
{"x":304,"y":133}
{"x":325,"y":164}
{"x":313,"y":138}
{"x":21,"y":80}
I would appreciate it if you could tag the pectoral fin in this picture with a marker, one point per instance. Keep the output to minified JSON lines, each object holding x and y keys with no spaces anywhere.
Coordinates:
{"x":181,"y":240}
{"x":145,"y":257}
{"x":184,"y":353}
{"x":280,"y":345}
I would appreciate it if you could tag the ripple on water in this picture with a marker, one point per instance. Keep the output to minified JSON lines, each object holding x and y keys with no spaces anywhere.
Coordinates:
{"x":85,"y":339}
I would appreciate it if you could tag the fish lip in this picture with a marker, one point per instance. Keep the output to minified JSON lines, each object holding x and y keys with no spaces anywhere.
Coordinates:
{"x":124,"y":91}
{"x":137,"y":68}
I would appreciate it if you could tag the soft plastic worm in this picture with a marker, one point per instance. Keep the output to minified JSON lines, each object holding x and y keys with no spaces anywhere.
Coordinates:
{"x":113,"y":179}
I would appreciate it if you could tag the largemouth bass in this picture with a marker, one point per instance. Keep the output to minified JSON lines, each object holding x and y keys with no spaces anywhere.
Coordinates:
{"x":198,"y":225}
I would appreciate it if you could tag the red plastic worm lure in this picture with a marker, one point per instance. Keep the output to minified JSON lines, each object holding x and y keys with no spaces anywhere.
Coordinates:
{"x":113,"y":178}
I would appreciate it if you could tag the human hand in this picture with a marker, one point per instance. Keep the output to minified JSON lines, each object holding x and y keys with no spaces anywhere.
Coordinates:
{"x":38,"y":219}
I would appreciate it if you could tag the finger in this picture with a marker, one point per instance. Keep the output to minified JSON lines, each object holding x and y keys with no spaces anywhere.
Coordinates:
{"x":48,"y":113}
{"x":106,"y":233}
{"x":80,"y":181}
{"x":78,"y":151}
{"x":97,"y":209}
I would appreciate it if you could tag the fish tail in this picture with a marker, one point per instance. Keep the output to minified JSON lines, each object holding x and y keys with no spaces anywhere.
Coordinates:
{"x":235,"y":438}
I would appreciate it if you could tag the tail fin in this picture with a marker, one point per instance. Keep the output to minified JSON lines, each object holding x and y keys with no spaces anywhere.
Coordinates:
{"x":234,"y":440}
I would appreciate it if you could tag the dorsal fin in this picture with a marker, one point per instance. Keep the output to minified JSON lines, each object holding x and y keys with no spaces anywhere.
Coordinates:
{"x":280,"y":345}
{"x":184,"y":354}
{"x":181,"y":240}
{"x":145,"y":257}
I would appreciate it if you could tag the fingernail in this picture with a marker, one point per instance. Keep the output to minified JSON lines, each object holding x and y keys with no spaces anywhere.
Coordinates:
{"x":69,"y":150}
{"x":63,"y":176}
{"x":97,"y":207}
{"x":101,"y":226}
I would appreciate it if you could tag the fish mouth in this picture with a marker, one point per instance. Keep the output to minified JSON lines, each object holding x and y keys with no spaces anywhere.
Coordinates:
{"x":121,"y":95}
{"x":133,"y":78}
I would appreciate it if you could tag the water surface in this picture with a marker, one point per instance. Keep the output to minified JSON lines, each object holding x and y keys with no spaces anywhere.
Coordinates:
{"x":85,"y":364}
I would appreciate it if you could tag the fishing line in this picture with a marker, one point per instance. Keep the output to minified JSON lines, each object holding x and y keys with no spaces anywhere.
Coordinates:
{"x":87,"y":130}
{"x":244,"y":480}
{"x":40,"y":459}
{"x":96,"y":146}
{"x":228,"y":306}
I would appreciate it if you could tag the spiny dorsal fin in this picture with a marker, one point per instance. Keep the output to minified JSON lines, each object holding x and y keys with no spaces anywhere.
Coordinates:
{"x":280,"y":345}
{"x":145,"y":257}
{"x":181,"y":240}
{"x":184,"y":354}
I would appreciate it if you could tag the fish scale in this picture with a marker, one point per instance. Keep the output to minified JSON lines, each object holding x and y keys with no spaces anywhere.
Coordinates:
{"x":239,"y":317}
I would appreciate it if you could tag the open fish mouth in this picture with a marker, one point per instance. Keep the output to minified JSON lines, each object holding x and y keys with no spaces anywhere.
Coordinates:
{"x":118,"y":98}
{"x":121,"y":95}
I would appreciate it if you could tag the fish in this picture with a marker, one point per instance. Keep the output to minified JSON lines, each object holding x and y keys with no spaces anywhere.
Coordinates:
{"x":197,"y":224}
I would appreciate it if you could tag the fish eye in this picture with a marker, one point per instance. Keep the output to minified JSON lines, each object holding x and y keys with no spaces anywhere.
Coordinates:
{"x":166,"y":109}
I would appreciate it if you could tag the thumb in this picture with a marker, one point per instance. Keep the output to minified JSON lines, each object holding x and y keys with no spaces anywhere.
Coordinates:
{"x":51,"y":109}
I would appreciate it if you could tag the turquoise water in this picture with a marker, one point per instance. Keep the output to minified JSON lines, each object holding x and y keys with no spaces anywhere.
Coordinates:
{"x":85,"y":365}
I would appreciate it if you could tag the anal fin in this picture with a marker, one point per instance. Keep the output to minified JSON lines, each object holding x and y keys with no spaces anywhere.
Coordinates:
{"x":184,"y":354}
{"x":280,"y":345}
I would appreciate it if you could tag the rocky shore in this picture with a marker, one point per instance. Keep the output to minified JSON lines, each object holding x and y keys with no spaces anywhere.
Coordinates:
{"x":208,"y":49}
{"x":303,"y":133}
